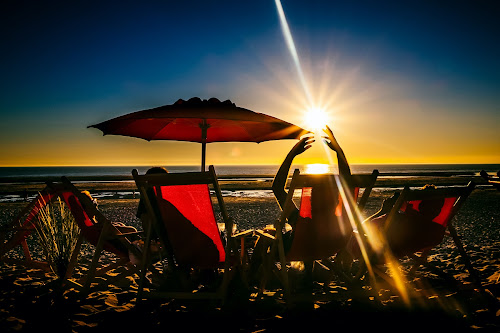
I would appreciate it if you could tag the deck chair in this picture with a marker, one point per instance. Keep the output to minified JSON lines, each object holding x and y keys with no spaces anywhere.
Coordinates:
{"x":100,"y":232}
{"x":94,"y":228}
{"x":183,"y":217}
{"x":16,"y":233}
{"x":451,"y":199}
{"x":322,"y":228}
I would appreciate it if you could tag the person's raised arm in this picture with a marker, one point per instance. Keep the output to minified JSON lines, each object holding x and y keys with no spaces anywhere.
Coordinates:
{"x":281,"y":177}
{"x":387,"y":205}
{"x":331,"y":141}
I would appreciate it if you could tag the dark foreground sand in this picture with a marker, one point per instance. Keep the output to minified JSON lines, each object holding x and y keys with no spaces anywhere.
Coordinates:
{"x":28,"y":301}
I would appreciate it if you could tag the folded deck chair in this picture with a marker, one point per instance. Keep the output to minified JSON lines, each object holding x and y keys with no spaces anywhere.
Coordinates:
{"x":15,"y":233}
{"x":183,"y":217}
{"x":100,"y":232}
{"x":492,"y":180}
{"x":450,"y":200}
{"x":322,"y":229}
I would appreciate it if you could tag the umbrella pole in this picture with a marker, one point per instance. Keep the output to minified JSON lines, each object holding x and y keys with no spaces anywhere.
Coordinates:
{"x":203,"y":155}
{"x":204,"y":127}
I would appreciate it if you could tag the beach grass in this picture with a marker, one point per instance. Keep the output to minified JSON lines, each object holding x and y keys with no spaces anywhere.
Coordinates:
{"x":58,"y":234}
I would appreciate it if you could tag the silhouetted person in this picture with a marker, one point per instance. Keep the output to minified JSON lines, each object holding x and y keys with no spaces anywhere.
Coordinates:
{"x":141,"y":208}
{"x":323,"y":199}
{"x":282,"y":175}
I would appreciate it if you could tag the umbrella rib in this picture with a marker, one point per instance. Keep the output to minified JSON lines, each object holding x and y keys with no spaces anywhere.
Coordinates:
{"x":158,"y":131}
{"x":249,"y":135}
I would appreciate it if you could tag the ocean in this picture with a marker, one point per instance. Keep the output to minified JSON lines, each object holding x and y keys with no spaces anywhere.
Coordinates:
{"x":89,"y":171}
{"x":38,"y":174}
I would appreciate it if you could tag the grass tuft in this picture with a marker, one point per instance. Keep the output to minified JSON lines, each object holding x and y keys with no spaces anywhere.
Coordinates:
{"x":58,"y":234}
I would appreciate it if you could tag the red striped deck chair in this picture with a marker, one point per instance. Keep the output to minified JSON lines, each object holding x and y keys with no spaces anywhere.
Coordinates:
{"x":100,"y":232}
{"x":450,"y":200}
{"x":22,"y":227}
{"x":183,"y":217}
{"x":94,"y":228}
{"x":323,"y":227}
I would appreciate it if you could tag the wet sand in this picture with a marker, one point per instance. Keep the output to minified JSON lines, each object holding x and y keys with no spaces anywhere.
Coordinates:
{"x":28,"y":301}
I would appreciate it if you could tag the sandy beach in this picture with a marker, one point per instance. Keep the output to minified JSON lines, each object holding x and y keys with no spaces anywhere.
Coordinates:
{"x":28,"y":301}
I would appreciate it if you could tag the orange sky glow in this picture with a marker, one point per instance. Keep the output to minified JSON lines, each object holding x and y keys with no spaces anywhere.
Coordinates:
{"x":390,"y":96}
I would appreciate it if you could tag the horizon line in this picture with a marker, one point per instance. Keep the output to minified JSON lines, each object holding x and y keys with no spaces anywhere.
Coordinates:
{"x":236,"y":165}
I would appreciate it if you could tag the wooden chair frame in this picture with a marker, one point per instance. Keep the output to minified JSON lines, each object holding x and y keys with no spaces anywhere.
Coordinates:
{"x":21,"y":227}
{"x":420,"y":258}
{"x":145,"y":184}
{"x":107,"y":232}
{"x":366,"y":181}
{"x":276,"y":242}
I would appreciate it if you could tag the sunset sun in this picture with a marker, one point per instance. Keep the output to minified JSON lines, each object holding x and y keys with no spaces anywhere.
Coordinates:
{"x":316,"y":118}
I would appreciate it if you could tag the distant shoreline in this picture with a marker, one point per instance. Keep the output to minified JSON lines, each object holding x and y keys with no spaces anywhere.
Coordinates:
{"x":23,"y":187}
{"x":117,"y":178}
{"x":27,"y":181}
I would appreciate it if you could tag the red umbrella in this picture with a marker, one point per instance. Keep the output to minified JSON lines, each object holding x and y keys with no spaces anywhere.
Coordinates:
{"x":202,"y":121}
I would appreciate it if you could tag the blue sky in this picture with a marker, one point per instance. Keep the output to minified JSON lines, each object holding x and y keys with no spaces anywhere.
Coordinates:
{"x":403,"y":82}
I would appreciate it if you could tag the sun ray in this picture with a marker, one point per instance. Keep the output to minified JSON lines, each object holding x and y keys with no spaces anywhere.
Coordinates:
{"x":291,"y":47}
{"x":344,"y":94}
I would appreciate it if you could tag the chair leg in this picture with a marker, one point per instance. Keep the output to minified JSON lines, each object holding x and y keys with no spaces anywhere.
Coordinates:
{"x":26,"y":250}
{"x":144,"y":264}
{"x":95,"y":260}
{"x":73,"y":260}
{"x":267,"y":266}
{"x":283,"y":273}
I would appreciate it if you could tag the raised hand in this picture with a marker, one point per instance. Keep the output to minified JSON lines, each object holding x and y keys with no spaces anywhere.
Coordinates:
{"x":281,"y":177}
{"x":330,"y":140}
{"x":303,"y":144}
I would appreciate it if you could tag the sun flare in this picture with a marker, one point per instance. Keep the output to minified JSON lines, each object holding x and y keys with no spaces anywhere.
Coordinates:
{"x":316,"y":118}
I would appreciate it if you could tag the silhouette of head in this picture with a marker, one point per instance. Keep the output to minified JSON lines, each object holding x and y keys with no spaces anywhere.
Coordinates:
{"x":432,"y":207}
{"x":92,"y":199}
{"x":156,"y":170}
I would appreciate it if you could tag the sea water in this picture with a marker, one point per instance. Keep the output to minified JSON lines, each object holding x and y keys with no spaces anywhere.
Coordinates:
{"x":16,"y":173}
{"x":223,"y":170}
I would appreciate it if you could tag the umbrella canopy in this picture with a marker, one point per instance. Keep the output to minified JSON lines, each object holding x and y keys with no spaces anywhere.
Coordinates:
{"x":201,"y":121}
